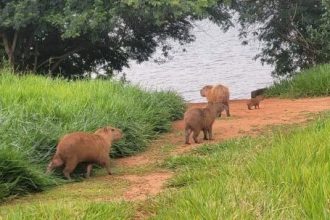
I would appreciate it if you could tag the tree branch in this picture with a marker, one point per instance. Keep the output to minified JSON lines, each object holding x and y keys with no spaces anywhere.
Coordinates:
{"x":35,"y":58}
{"x":14,"y":43}
{"x":62,"y":57}
{"x":57,"y":64}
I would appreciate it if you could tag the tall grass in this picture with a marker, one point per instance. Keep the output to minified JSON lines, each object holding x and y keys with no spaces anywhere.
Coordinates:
{"x":36,"y":111}
{"x":285,"y":175}
{"x":309,"y":83}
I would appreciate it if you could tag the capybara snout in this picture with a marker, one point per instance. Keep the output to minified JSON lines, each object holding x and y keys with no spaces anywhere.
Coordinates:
{"x":90,"y":148}
{"x":114,"y":133}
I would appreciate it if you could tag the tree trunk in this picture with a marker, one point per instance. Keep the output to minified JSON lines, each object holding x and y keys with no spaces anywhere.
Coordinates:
{"x":36,"y":54}
{"x":10,"y":48}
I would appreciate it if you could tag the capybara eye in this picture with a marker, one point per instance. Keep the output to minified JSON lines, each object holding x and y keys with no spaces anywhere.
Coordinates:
{"x":112,"y":129}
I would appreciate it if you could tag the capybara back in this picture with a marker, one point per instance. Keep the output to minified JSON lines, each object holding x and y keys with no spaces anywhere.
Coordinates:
{"x":216,"y":93}
{"x":87,"y":147}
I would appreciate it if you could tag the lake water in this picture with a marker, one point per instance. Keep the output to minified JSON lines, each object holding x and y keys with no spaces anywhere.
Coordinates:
{"x":215,"y":57}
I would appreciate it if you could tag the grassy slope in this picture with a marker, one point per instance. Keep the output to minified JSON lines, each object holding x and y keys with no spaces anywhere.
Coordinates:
{"x":36,"y":111}
{"x":309,"y":83}
{"x":280,"y":176}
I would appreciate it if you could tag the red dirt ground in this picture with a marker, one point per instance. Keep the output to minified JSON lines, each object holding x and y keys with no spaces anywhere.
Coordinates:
{"x":242,"y":122}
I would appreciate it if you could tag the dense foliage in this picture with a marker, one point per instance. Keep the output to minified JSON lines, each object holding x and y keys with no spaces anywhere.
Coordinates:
{"x":312,"y":82}
{"x":35,"y":112}
{"x":294,"y":34}
{"x":72,"y":37}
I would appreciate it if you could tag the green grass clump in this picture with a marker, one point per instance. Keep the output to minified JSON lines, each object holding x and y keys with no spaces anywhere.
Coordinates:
{"x":18,"y":176}
{"x":71,"y":210}
{"x":36,"y":111}
{"x":309,"y":83}
{"x":283,"y":175}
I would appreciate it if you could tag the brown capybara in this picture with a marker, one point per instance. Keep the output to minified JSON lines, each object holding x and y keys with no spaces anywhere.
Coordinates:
{"x":216,"y":93}
{"x":202,"y":119}
{"x":257,"y":92}
{"x":254,"y":102}
{"x":86,"y":147}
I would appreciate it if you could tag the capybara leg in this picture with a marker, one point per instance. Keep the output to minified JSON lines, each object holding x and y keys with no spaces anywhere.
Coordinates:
{"x":107,"y":166}
{"x":227,"y":109}
{"x":187,"y":135}
{"x":249,"y":107}
{"x":69,"y":168}
{"x":210,"y":133}
{"x":258,"y":105}
{"x":56,"y":162}
{"x":89,"y":170}
{"x":195,"y":136}
{"x":205,"y":134}
{"x":105,"y":162}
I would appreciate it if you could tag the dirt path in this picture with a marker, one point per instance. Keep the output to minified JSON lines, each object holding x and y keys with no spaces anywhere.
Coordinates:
{"x":242,"y":122}
{"x":140,"y":176}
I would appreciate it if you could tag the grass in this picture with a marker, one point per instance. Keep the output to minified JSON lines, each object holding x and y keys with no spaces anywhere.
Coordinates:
{"x":35,"y":111}
{"x":309,"y":83}
{"x":71,"y":210}
{"x":283,"y":175}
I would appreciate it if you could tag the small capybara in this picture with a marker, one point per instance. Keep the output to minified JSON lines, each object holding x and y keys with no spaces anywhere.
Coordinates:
{"x":216,"y":93}
{"x":86,"y":147}
{"x":257,"y":92}
{"x":254,"y":102}
{"x":202,"y":119}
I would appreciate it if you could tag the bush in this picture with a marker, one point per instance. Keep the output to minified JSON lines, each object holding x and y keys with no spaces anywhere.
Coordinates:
{"x":309,"y":83}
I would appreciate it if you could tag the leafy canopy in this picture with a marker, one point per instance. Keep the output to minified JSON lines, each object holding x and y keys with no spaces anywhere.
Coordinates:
{"x":72,"y":37}
{"x":294,"y":34}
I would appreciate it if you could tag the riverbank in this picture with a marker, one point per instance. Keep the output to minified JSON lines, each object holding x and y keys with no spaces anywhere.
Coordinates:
{"x":187,"y":174}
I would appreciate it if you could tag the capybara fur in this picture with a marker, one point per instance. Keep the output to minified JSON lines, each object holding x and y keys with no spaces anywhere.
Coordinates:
{"x":85,"y":147}
{"x":216,"y":93}
{"x":202,"y":119}
{"x":257,"y":92}
{"x":254,"y":102}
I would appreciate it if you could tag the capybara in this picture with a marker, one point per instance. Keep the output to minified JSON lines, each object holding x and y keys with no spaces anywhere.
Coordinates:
{"x":202,"y":119}
{"x":257,"y":92}
{"x":254,"y":102}
{"x":216,"y":93}
{"x":86,"y":147}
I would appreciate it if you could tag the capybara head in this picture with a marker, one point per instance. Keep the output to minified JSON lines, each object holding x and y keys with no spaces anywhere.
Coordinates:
{"x":114,"y":133}
{"x":204,"y":91}
{"x":257,"y":92}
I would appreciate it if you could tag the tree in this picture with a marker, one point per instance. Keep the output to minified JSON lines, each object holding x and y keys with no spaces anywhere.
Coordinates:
{"x":294,"y":34}
{"x":72,"y":37}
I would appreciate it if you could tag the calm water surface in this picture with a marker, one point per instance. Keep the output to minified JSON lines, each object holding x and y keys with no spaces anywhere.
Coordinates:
{"x":215,"y":57}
